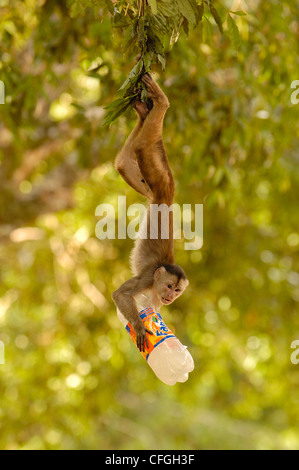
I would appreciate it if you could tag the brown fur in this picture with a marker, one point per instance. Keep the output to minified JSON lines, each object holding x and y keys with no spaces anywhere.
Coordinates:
{"x":144,"y":165}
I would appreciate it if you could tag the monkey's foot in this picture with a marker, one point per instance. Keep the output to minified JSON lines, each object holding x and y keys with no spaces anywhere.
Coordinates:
{"x":154,"y":91}
{"x":141,"y":109}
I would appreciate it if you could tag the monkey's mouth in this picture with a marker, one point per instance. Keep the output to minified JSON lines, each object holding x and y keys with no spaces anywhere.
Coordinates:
{"x":165,"y":301}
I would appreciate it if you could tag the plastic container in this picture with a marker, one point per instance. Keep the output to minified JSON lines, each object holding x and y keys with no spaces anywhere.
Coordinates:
{"x":169,"y":359}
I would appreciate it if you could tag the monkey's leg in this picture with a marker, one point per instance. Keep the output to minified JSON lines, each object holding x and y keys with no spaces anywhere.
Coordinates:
{"x":150,"y":151}
{"x":154,"y":121}
{"x":127,"y":165}
{"x":153,"y":163}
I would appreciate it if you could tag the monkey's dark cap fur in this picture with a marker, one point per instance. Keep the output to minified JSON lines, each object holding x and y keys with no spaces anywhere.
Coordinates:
{"x":175,"y":269}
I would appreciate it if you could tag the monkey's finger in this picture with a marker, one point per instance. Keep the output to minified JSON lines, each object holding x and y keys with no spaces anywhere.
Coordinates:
{"x":152,"y":92}
{"x":149,"y":331}
{"x":147,"y":80}
{"x":141,"y":343}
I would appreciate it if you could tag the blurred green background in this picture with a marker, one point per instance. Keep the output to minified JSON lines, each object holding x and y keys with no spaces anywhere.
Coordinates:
{"x":72,"y":378}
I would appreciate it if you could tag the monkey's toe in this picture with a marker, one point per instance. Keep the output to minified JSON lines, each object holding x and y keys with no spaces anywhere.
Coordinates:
{"x":147,"y":79}
{"x":153,"y":89}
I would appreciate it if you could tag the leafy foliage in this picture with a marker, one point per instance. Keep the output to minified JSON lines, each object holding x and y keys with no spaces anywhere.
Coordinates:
{"x":151,"y":29}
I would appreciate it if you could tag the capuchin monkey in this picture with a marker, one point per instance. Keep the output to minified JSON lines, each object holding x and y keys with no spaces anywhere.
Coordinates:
{"x":143,"y":164}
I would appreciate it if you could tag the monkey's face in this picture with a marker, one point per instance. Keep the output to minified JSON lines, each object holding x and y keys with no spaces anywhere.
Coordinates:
{"x":167,"y":286}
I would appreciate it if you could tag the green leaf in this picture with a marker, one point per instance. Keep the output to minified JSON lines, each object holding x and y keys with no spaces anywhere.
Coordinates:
{"x":115,"y":104}
{"x":141,"y":33}
{"x":162,"y":61}
{"x":130,"y":37}
{"x":76,"y":9}
{"x":216,"y":18}
{"x":155,"y":46}
{"x":153,"y":5}
{"x":176,"y":32}
{"x":160,"y":24}
{"x":201,"y":10}
{"x":218,"y":177}
{"x":207,"y":33}
{"x":125,"y":84}
{"x":116,"y":108}
{"x":119,"y":21}
{"x":233,"y":32}
{"x":239,"y":13}
{"x":186,"y":27}
{"x":110,"y":6}
{"x":168,"y":8}
{"x":186,"y":10}
{"x":144,"y":93}
{"x":148,"y":60}
{"x":133,"y":76}
{"x":196,"y":10}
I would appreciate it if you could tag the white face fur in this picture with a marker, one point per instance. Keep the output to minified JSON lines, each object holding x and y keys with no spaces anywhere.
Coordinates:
{"x":167,"y":287}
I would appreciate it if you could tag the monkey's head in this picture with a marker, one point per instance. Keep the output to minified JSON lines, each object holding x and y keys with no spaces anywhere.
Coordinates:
{"x":170,"y":281}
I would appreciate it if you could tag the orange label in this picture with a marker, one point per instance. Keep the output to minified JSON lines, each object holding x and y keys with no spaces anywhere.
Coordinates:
{"x":153,"y":322}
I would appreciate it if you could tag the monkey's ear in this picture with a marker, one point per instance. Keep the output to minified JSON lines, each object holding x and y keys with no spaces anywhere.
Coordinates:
{"x":158,"y":272}
{"x":183,"y":284}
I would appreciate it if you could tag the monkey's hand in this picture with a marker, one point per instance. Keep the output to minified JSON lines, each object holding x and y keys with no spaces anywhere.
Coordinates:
{"x":141,"y":331}
{"x":154,"y":91}
{"x":124,"y":300}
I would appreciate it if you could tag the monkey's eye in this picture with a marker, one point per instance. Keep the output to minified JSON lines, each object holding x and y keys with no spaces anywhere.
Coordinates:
{"x":169,"y":286}
{"x":177,"y":290}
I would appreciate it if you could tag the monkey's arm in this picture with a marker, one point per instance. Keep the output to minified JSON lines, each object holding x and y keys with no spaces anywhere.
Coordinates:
{"x":124,"y":300}
{"x":126,"y":163}
{"x":129,"y":146}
